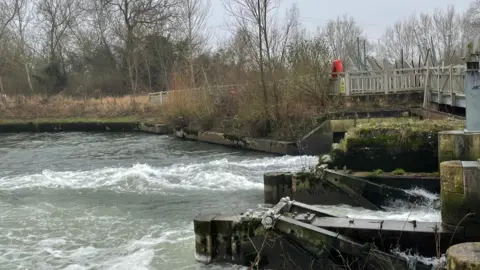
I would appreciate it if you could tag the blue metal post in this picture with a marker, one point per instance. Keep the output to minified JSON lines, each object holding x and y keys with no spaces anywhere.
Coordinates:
{"x":472,"y":86}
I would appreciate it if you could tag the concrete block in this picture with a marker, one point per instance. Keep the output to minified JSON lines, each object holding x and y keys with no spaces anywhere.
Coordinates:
{"x":318,"y":141}
{"x":464,"y":256}
{"x":160,"y":129}
{"x":202,"y":226}
{"x":214,"y":137}
{"x":471,"y":180}
{"x":460,"y":194}
{"x":183,"y":134}
{"x":277,"y":186}
{"x":458,"y":145}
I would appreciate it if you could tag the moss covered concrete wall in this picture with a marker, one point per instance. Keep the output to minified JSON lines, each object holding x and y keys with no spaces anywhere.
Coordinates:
{"x":410,"y":144}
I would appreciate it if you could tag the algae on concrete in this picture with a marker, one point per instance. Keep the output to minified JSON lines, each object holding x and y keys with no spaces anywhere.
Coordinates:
{"x":465,"y":256}
{"x":409,"y":144}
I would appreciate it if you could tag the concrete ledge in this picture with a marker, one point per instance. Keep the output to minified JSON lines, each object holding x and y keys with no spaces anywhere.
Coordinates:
{"x":69,"y":127}
{"x":161,"y":129}
{"x":432,"y":114}
{"x":255,"y":144}
{"x":458,"y":145}
{"x":320,"y":139}
{"x":185,"y":134}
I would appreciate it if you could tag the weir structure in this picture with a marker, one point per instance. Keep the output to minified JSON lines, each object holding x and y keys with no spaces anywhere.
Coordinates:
{"x":459,"y":157}
{"x":296,"y":235}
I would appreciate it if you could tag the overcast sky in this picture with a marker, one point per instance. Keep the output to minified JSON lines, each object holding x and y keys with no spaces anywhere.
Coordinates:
{"x":373,"y":15}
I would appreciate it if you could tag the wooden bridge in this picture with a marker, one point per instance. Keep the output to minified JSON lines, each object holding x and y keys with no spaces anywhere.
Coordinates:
{"x":441,"y":85}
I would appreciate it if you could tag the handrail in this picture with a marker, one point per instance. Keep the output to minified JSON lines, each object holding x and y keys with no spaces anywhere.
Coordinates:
{"x":449,"y":79}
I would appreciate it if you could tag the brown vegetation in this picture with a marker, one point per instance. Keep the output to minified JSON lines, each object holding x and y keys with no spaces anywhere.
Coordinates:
{"x":63,"y":58}
{"x":21,"y":108}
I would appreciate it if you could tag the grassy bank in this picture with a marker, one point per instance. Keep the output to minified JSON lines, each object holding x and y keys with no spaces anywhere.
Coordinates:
{"x":60,"y":109}
{"x":293,"y":110}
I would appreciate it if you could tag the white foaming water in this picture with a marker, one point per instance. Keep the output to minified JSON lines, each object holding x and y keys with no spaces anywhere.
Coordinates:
{"x":96,"y":233}
{"x":395,"y":210}
{"x":219,"y":174}
{"x":130,"y":216}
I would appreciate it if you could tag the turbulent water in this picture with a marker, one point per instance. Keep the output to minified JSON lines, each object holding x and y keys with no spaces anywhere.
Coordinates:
{"x":126,"y":201}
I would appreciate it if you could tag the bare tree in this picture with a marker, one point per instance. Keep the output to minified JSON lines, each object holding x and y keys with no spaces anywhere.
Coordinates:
{"x":137,"y":15}
{"x":252,"y":16}
{"x":266,"y":40}
{"x":57,"y":17}
{"x":341,"y":35}
{"x":400,"y":39}
{"x":193,"y":16}
{"x":22,"y":19}
{"x":470,"y":23}
{"x":8,"y":11}
{"x":447,"y":32}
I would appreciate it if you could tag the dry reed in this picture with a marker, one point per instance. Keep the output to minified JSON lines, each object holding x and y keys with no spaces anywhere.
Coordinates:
{"x":55,"y":107}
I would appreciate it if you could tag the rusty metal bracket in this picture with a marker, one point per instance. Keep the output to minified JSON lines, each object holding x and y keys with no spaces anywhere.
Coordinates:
{"x":271,"y":215}
{"x":307,"y":217}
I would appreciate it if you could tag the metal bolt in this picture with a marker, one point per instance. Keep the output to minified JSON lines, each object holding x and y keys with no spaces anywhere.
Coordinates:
{"x":268,"y":221}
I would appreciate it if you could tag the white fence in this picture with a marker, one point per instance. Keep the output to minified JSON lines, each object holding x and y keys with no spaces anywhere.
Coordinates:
{"x":400,"y":80}
{"x":159,"y":98}
{"x":449,"y":79}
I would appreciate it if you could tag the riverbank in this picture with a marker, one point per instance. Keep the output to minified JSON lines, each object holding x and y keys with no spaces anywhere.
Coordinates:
{"x":317,"y":141}
{"x":84,"y":124}
{"x":296,"y":131}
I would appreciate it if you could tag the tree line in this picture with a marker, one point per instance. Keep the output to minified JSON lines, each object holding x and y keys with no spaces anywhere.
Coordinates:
{"x":117,"y":47}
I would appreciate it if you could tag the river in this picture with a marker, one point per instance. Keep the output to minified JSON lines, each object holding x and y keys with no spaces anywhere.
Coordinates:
{"x":127,"y":200}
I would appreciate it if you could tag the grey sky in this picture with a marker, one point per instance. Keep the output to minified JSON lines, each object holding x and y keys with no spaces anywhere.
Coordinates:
{"x":373,"y":15}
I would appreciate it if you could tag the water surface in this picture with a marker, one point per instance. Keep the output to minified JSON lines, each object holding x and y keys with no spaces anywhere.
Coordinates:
{"x":125,"y":200}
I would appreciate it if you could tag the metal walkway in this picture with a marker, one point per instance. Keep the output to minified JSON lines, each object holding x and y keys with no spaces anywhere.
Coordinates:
{"x":442,"y":85}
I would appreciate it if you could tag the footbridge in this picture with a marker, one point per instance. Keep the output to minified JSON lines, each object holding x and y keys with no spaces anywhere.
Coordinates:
{"x":440,"y":85}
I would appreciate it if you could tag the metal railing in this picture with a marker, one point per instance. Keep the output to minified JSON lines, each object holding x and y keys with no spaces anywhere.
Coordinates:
{"x":449,"y":79}
{"x":159,"y":98}
{"x":400,"y":80}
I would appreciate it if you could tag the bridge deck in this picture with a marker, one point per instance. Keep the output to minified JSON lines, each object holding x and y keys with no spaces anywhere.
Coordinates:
{"x":443,"y":85}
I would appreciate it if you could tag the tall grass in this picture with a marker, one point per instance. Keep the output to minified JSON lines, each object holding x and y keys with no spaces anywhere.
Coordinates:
{"x":290,"y":109}
{"x":21,"y":107}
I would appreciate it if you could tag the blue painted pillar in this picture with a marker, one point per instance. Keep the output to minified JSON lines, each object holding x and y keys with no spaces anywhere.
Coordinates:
{"x":472,"y":86}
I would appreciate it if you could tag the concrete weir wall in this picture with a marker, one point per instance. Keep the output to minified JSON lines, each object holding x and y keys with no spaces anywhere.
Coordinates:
{"x":69,"y":127}
{"x":320,"y":140}
{"x":262,"y":145}
{"x":161,"y":129}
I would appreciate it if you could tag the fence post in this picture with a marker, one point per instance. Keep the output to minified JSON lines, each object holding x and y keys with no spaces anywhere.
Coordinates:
{"x":438,"y":81}
{"x":450,"y":76}
{"x":425,"y":91}
{"x":385,"y":81}
{"x":347,"y":83}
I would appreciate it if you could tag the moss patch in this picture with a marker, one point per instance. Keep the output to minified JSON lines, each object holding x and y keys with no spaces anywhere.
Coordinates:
{"x":408,"y":133}
{"x":408,"y":144}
